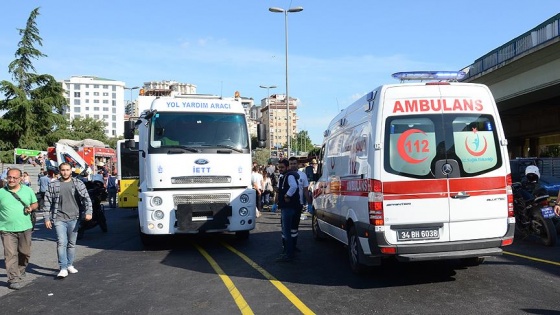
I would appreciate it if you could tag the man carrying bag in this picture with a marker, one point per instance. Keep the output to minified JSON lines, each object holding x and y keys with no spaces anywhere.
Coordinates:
{"x":16,"y":204}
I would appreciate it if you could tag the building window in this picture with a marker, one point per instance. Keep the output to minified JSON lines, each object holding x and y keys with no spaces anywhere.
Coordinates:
{"x":76,"y":109}
{"x":95,"y":93}
{"x":95,"y":116}
{"x":87,"y":108}
{"x":114,"y":95}
{"x":76,"y":102}
{"x":96,"y":86}
{"x":105,"y":109}
{"x":87,"y":86}
{"x":105,"y":86}
{"x":77,"y":116}
{"x":105,"y":101}
{"x":114,"y":118}
{"x":114,"y":103}
{"x":105,"y":116}
{"x":114,"y":110}
{"x":87,"y":93}
{"x":96,"y":101}
{"x":96,"y":109}
{"x":114,"y":87}
{"x":76,"y":94}
{"x":105,"y":93}
{"x":114,"y":125}
{"x":76,"y":86}
{"x":87,"y":100}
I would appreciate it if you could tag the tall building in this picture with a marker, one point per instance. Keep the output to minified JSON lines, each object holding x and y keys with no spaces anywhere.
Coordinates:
{"x":274,"y":115}
{"x":98,"y":98}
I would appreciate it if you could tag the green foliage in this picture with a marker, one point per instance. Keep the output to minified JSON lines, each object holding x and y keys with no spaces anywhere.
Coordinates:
{"x":35,"y":104}
{"x":301,"y":142}
{"x":261,"y":156}
{"x":550,"y":151}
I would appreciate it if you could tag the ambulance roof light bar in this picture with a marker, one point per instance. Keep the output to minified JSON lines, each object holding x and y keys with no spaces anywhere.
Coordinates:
{"x":429,"y":75}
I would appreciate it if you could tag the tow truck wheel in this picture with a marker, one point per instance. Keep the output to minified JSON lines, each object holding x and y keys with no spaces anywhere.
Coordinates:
{"x":242,"y":235}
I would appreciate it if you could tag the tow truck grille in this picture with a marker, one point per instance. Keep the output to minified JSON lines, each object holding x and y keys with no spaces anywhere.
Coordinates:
{"x":201,"y":180}
{"x":201,"y":199}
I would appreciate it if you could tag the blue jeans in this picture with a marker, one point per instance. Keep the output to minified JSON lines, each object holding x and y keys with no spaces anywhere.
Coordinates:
{"x":288,"y":215}
{"x":66,"y":234}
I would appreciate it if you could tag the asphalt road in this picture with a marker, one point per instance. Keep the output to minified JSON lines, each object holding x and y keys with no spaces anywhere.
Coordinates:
{"x":217,"y":274}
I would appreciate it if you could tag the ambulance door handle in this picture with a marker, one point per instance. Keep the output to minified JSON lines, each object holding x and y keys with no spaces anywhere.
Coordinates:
{"x":461,"y":195}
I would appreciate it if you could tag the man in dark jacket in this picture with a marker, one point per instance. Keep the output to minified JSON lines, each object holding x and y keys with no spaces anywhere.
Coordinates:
{"x":289,"y":203}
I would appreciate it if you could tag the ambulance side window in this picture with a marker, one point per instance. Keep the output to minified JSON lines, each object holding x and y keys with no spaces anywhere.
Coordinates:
{"x":321,"y":159}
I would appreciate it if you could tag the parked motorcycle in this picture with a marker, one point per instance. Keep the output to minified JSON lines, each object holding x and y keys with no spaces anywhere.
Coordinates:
{"x":533,"y":215}
{"x":97,"y":194}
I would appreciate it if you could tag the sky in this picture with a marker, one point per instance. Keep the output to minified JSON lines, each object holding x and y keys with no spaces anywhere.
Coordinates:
{"x":337,"y":52}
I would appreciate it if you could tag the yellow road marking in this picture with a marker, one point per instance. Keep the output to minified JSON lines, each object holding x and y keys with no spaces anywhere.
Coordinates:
{"x":235,"y":294}
{"x":533,"y":258}
{"x":281,"y":287}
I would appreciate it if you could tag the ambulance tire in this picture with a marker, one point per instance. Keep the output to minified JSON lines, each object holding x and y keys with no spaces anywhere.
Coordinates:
{"x":472,"y":261}
{"x":354,"y":250}
{"x":318,"y":235}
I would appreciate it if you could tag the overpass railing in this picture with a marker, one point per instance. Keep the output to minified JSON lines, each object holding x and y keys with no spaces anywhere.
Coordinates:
{"x":538,"y":36}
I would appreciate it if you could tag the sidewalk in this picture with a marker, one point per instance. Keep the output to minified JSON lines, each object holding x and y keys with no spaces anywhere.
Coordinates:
{"x":122,"y":226}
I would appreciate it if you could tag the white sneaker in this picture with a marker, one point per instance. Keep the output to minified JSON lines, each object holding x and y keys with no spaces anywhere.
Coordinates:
{"x":71,"y":269}
{"x":63,"y":273}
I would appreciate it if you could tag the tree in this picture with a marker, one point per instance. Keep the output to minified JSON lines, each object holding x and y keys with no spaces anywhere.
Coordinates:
{"x":301,"y":142}
{"x":35,"y":103}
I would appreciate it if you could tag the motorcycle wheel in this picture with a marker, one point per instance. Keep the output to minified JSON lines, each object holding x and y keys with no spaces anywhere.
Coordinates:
{"x":547,"y":231}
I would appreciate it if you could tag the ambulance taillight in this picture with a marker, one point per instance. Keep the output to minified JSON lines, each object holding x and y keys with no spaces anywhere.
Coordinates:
{"x":375,"y":203}
{"x":509,"y":193}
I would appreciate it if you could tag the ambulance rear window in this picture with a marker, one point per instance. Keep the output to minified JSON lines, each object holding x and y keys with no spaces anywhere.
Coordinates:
{"x":415,"y":143}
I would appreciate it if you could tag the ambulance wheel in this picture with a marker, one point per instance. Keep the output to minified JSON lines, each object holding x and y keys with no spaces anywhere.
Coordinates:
{"x":354,"y":250}
{"x":472,"y":261}
{"x":242,"y":235}
{"x":318,"y":235}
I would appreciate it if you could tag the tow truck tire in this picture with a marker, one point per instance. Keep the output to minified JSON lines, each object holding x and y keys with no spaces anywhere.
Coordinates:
{"x":242,"y":235}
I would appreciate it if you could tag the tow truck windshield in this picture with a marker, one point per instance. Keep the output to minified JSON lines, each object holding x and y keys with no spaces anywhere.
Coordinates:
{"x":198,"y":131}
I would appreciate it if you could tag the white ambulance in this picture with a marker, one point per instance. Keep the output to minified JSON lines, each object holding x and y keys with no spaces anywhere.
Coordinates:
{"x":416,"y":171}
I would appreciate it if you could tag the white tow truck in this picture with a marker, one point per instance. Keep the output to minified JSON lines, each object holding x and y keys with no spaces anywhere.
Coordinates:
{"x":195,"y":167}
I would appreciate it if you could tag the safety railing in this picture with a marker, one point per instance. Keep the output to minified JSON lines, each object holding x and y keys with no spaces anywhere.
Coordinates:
{"x":540,"y":35}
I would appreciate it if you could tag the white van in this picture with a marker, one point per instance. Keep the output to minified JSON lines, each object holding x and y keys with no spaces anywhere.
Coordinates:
{"x":416,"y":171}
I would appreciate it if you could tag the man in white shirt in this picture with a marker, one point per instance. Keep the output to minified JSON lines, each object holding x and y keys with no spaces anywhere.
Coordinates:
{"x":257,"y":182}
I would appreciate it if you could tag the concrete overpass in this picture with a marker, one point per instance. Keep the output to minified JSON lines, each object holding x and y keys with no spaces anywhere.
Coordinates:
{"x":524,"y":76}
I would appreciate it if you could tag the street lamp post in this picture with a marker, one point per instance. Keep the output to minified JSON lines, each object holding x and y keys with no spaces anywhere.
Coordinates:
{"x":131,"y":88}
{"x":290,"y":10}
{"x":267,"y":87}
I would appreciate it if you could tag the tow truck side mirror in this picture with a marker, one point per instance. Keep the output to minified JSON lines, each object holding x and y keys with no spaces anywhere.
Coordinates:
{"x":261,"y":135}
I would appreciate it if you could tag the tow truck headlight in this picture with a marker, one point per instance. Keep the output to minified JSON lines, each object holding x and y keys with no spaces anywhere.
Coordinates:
{"x":243,"y":211}
{"x":158,"y":215}
{"x":244,"y":198}
{"x":157,"y":201}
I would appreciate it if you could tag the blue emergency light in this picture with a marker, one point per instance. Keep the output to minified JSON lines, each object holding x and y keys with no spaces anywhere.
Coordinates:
{"x":429,"y":75}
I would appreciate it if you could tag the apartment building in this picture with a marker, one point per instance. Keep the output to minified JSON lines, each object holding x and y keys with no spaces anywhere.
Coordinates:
{"x":98,"y":98}
{"x":273,"y":114}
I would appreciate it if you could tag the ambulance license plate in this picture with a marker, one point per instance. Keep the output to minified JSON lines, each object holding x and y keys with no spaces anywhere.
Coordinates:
{"x":417,"y":234}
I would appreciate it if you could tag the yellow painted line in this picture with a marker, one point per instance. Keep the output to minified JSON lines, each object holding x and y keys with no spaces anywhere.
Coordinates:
{"x":281,"y":287}
{"x":533,"y":258}
{"x":235,"y":294}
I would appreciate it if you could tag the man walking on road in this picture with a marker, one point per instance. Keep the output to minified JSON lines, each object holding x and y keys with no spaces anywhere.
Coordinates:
{"x":65,"y":200}
{"x":16,"y":204}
